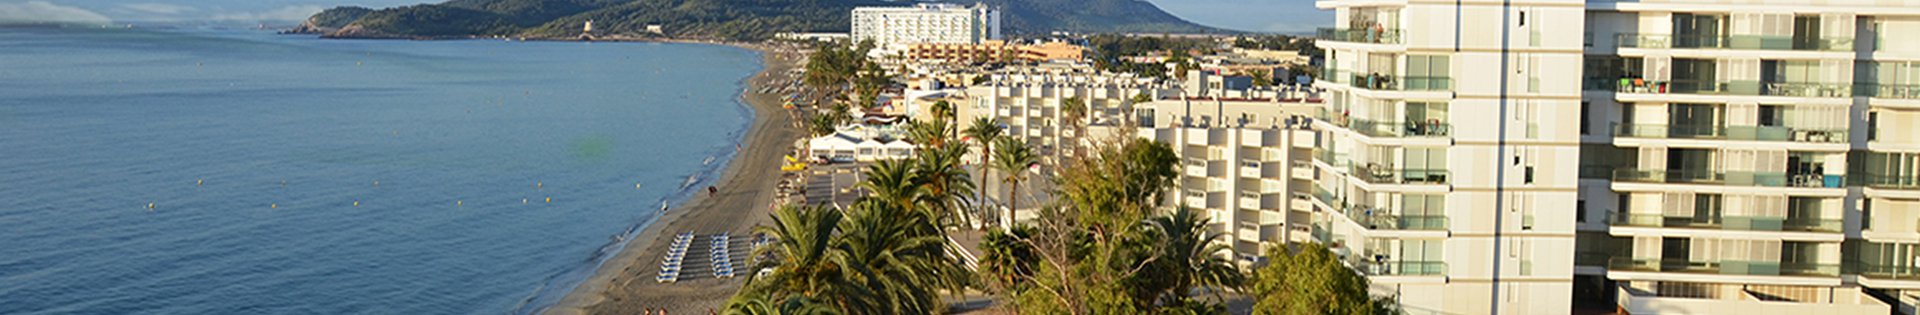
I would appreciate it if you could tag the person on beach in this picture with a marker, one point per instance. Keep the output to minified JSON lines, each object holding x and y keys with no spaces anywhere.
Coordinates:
{"x":712,"y":191}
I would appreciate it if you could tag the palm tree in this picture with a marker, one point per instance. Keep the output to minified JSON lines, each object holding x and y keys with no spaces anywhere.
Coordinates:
{"x":905,"y":265}
{"x":1190,"y":256}
{"x":1012,"y":160}
{"x":945,"y":183}
{"x":806,"y":264}
{"x":928,"y":134}
{"x":1006,"y":261}
{"x":893,"y":182}
{"x":984,"y":133}
{"x":1074,"y":111}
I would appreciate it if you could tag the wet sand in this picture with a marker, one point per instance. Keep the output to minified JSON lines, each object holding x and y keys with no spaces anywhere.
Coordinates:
{"x":625,"y":284}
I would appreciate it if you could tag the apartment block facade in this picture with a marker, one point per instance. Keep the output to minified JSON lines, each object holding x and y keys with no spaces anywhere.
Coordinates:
{"x":1679,"y":157}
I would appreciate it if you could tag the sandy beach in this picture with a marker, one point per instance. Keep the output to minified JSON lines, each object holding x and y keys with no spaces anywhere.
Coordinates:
{"x":625,"y":284}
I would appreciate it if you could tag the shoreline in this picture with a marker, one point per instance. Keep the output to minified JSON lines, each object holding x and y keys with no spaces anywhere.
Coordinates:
{"x":747,"y":189}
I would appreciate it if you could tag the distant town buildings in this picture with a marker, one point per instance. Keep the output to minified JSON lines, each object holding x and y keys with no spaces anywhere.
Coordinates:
{"x":996,"y":50}
{"x":895,"y":28}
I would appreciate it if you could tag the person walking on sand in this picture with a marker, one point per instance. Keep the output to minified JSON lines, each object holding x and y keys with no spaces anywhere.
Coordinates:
{"x":712,"y":191}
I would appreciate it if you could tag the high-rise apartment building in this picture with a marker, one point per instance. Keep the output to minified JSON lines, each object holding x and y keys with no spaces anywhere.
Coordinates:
{"x":1681,"y":157}
{"x":895,"y":28}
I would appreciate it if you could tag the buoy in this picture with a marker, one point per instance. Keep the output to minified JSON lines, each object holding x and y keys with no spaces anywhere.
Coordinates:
{"x":549,"y":199}
{"x":275,"y":206}
{"x":199,"y":182}
{"x":458,"y":203}
{"x":149,"y":206}
{"x":523,"y":201}
{"x":376,"y":183}
{"x":356,"y":203}
{"x":636,"y":185}
{"x":538,"y":185}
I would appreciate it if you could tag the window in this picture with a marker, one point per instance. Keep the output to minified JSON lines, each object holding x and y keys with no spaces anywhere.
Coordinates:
{"x":1866,"y":215}
{"x":1580,"y":211}
{"x":1584,"y":118}
{"x":1426,"y":73}
{"x":1873,"y":126}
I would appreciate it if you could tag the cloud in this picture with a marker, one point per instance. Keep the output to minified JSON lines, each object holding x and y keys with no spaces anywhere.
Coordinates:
{"x":40,"y":12}
{"x":291,"y":13}
{"x":156,"y":8}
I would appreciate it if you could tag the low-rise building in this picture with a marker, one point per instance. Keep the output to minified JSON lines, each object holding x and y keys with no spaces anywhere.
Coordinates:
{"x":994,"y":50}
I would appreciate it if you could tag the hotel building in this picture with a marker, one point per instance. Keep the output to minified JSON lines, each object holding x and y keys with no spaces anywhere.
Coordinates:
{"x":895,"y":28}
{"x":1679,"y":157}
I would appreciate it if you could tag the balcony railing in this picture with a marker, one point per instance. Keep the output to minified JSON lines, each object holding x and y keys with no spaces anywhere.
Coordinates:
{"x":1762,"y":179}
{"x":1737,"y":223}
{"x":1382,"y":128}
{"x":1744,"y":133}
{"x":1400,"y":268}
{"x":1883,"y":271}
{"x":1899,"y":91}
{"x":1389,"y":82}
{"x":1738,"y":87}
{"x":1725,"y":267}
{"x":1893,"y":181}
{"x":1379,"y":219}
{"x":1360,"y":35}
{"x":1379,"y":174}
{"x":1754,"y":42}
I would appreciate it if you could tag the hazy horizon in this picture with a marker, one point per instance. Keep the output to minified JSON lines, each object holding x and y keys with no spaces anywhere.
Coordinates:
{"x":1286,"y":16}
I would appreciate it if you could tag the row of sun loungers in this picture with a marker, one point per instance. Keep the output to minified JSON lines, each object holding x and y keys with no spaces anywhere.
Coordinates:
{"x":722,"y":260}
{"x":676,"y":254}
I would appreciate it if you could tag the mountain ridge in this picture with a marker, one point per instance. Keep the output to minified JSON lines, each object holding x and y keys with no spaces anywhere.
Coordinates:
{"x":708,"y":19}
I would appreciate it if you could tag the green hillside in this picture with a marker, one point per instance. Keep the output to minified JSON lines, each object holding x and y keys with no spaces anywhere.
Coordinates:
{"x":726,"y":19}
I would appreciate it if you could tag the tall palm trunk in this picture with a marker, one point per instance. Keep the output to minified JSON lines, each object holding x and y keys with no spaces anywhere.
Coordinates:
{"x":986,"y":169}
{"x":1013,"y":202}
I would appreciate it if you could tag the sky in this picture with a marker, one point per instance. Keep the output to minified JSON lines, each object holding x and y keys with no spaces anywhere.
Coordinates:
{"x":1289,"y":16}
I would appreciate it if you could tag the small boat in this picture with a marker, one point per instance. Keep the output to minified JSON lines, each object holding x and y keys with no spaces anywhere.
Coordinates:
{"x":663,"y":206}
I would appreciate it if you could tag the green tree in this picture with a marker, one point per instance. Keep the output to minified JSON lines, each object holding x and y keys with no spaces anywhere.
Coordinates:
{"x":1311,"y":281}
{"x":807,"y":267}
{"x":1012,"y":160}
{"x":1190,"y":257}
{"x":984,"y":133}
{"x":1006,"y":262}
{"x":1074,"y":111}
{"x":821,"y":125}
{"x":945,"y":183}
{"x":896,"y":257}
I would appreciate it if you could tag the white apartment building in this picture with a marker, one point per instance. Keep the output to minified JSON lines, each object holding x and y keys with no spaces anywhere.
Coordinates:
{"x":1734,"y":157}
{"x":1448,"y":169}
{"x":1244,"y":163}
{"x":894,"y":28}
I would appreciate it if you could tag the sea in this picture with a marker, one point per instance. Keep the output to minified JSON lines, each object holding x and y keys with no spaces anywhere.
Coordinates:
{"x":200,"y":170}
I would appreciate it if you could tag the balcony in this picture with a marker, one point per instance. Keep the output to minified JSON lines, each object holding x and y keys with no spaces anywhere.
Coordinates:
{"x":1739,"y":133}
{"x":1359,"y":35}
{"x":1380,"y":174}
{"x":1723,"y":267}
{"x":1749,"y":88}
{"x":1892,"y":181}
{"x":1761,"y":179}
{"x":1383,"y":128}
{"x":1749,"y":42}
{"x":1399,"y":268}
{"x":1389,"y":82}
{"x":1883,"y":271}
{"x":1735,"y":223}
{"x":1378,"y":219}
{"x":1895,"y":91}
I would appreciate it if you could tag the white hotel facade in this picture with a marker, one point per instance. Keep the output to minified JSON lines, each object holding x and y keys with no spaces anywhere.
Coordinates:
{"x":1661,"y":157}
{"x":894,"y":28}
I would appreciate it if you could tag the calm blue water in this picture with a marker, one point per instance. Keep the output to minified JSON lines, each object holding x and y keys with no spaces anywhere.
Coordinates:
{"x":253,"y":149}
